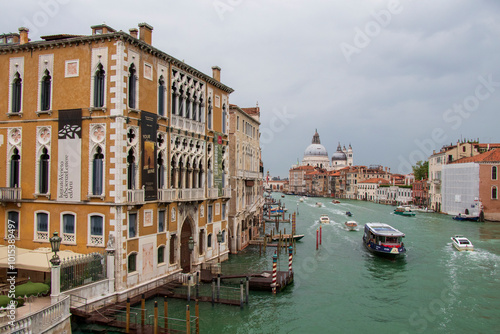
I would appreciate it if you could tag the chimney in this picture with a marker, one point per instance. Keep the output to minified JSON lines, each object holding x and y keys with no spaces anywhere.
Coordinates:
{"x":24,"y":35}
{"x":216,"y":73}
{"x":145,"y":33}
{"x":134,"y":32}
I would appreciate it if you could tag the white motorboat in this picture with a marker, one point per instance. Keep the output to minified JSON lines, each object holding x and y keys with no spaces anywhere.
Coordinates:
{"x":319,"y":204}
{"x":351,"y":225}
{"x":324,"y":219}
{"x":462,"y":243}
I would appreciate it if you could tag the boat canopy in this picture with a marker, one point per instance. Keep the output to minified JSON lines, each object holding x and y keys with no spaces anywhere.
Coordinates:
{"x":384,"y":230}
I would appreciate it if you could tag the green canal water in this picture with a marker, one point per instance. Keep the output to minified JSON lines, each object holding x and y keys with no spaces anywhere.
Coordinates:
{"x":342,"y":288}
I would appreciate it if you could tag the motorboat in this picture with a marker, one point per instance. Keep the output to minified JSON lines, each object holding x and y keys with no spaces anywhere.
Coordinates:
{"x":463,"y":216}
{"x":319,"y":204}
{"x":295,"y":237}
{"x":335,"y":201}
{"x":404,"y":211}
{"x":348,"y":213}
{"x":324,"y":219}
{"x":351,"y":225}
{"x":419,"y":209}
{"x":462,"y":243}
{"x":301,"y":199}
{"x":383,"y":239}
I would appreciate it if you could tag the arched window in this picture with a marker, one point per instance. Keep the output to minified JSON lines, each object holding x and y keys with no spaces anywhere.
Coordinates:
{"x":42,"y":226}
{"x":161,"y":96}
{"x":188,"y":105}
{"x":494,"y":172}
{"x":161,"y":171}
{"x":200,"y":110}
{"x":14,"y":169}
{"x":209,"y":240}
{"x":174,"y":101}
{"x":180,"y":111}
{"x":132,"y":87}
{"x":224,"y":116}
{"x":43,"y":173}
{"x":209,"y":113}
{"x":132,"y":262}
{"x":16,"y":93}
{"x":494,"y":192}
{"x":45,"y":91}
{"x":131,"y":170}
{"x":98,"y":172}
{"x":99,"y":83}
{"x":161,"y":254}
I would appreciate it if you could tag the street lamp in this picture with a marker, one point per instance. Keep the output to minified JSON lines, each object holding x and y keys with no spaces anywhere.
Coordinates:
{"x":219,"y":240}
{"x":55,"y":243}
{"x":191,"y":247}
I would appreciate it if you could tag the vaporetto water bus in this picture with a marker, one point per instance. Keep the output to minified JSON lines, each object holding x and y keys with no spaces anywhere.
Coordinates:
{"x":383,"y":239}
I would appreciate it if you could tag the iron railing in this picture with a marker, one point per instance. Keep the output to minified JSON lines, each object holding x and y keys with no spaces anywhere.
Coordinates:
{"x":82,"y":270}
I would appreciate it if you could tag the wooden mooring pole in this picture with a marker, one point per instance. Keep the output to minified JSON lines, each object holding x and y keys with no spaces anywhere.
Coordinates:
{"x":188,"y":318}
{"x":320,"y":233}
{"x":127,"y":319}
{"x":275,"y":263}
{"x":197,"y":313}
{"x":317,"y":232}
{"x":155,"y":324}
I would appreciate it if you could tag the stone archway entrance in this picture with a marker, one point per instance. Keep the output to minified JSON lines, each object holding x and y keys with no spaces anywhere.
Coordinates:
{"x":186,"y":232}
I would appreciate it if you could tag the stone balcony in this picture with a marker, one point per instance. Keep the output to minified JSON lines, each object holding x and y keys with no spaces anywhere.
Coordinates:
{"x":191,"y":194}
{"x":188,"y":124}
{"x":135,"y":196}
{"x":10,"y":194}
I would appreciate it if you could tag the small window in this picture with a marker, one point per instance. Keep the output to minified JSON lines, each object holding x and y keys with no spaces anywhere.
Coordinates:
{"x":42,"y":226}
{"x":209,"y":240}
{"x":173,"y":245}
{"x":96,"y":230}
{"x":209,"y":114}
{"x":494,"y":172}
{"x":161,"y":96}
{"x":13,"y":224}
{"x":132,"y":225}
{"x":14,"y":169}
{"x":161,"y":221}
{"x":210,"y":214}
{"x":98,"y":172}
{"x":43,"y":173}
{"x":161,"y":254}
{"x":223,"y":211}
{"x":68,"y":228}
{"x":223,"y":236}
{"x":132,"y":260}
{"x":494,"y":192}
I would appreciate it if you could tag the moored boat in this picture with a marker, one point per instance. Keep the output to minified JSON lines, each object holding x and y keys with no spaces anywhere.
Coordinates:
{"x":324,"y":219}
{"x":295,"y":237}
{"x":404,"y":211}
{"x":383,"y":239}
{"x":462,"y":216}
{"x":462,"y":243}
{"x":348,"y":213}
{"x":351,"y":225}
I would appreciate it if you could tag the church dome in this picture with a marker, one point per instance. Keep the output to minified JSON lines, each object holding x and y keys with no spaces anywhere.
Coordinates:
{"x":315,"y":149}
{"x":339,"y":155}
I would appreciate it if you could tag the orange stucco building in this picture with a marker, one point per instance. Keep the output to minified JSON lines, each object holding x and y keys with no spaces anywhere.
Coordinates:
{"x":115,"y":145}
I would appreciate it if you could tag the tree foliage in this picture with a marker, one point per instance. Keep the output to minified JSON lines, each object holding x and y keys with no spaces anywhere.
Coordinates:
{"x":421,"y":170}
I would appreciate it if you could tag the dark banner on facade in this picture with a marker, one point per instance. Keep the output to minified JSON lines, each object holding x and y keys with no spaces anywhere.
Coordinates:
{"x":218,"y":162}
{"x":148,"y":143}
{"x":69,"y":157}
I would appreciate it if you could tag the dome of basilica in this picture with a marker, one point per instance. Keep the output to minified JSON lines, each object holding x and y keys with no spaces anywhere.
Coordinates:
{"x":315,"y":150}
{"x":339,"y":155}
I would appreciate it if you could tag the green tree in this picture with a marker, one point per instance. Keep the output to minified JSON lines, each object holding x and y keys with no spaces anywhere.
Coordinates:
{"x":421,"y":170}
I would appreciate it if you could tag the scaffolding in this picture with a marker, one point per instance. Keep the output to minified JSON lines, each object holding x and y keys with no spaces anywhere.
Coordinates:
{"x":460,"y":189}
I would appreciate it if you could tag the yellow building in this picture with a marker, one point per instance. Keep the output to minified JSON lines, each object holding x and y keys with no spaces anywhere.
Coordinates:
{"x":114,"y":144}
{"x":246,"y":205}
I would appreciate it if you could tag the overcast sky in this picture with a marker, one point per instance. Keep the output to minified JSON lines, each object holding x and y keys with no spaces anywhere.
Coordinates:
{"x":395,"y":79}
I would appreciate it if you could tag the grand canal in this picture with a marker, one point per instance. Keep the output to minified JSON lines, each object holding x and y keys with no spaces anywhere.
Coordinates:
{"x":342,"y":288}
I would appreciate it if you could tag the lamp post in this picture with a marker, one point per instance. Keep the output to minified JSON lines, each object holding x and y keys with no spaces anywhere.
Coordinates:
{"x":55,"y":243}
{"x":219,"y":240}
{"x":191,"y":247}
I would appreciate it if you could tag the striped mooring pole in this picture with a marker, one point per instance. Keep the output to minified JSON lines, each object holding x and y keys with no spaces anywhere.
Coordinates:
{"x":290,"y":258}
{"x":275,"y":265}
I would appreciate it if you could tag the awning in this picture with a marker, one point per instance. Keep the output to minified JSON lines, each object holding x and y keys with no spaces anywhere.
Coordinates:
{"x":36,"y":260}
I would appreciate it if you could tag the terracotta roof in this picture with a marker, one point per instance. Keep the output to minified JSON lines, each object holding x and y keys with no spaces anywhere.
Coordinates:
{"x":490,"y":156}
{"x":59,"y":36}
{"x":375,"y":180}
{"x":252,"y":111}
{"x":303,"y":168}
